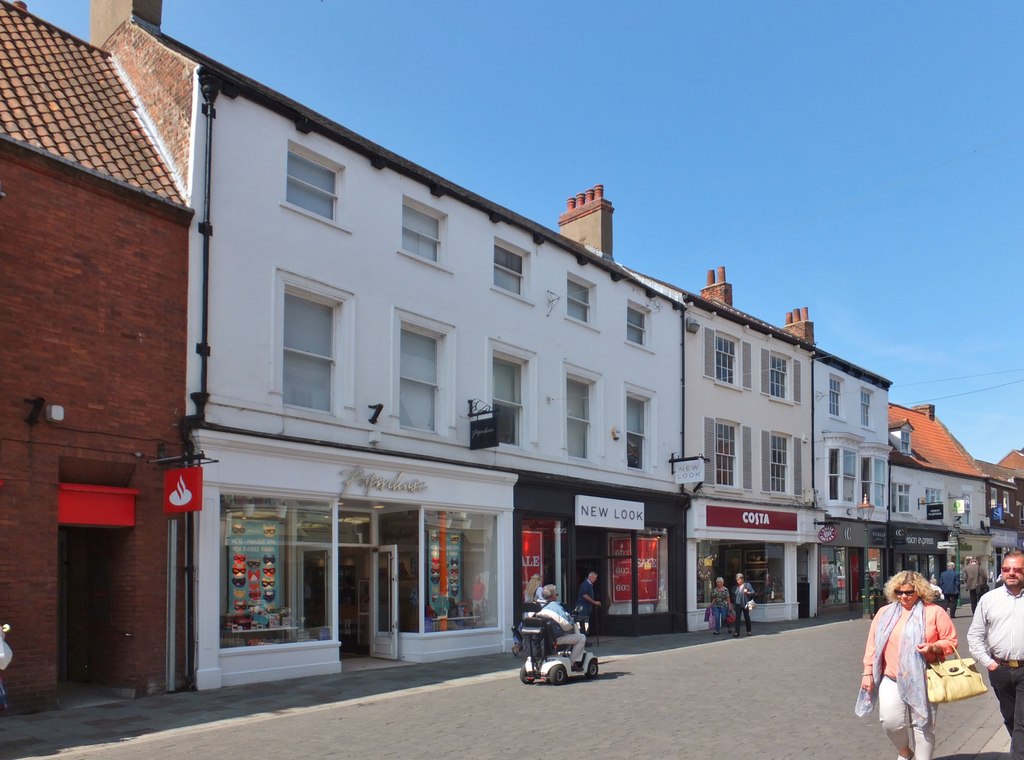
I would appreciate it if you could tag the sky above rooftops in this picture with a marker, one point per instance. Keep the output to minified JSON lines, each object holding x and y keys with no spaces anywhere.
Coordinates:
{"x":865,"y":160}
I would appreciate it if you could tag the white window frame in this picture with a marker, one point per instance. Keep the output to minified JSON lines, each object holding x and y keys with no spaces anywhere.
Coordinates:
{"x":341,"y":342}
{"x":778,"y":463}
{"x":842,"y":474}
{"x":872,"y":480}
{"x":500,"y":270}
{"x":636,"y":331}
{"x":586,"y":423}
{"x":835,"y":396}
{"x":515,"y":405}
{"x":637,"y":438}
{"x":726,"y":452}
{"x":905,"y":446}
{"x":435,"y":256}
{"x":865,"y":407}
{"x":291,"y":354}
{"x":725,"y":362}
{"x":934,"y":496}
{"x":778,"y":376}
{"x":444,"y":336}
{"x":901,"y":497}
{"x":574,"y":286}
{"x":333,"y":195}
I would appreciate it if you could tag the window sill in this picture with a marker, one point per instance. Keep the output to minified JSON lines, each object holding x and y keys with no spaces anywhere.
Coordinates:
{"x":727,"y":386}
{"x":514,"y":296}
{"x":332,"y":223}
{"x":639,"y":347}
{"x":581,"y":323}
{"x":426,"y":262}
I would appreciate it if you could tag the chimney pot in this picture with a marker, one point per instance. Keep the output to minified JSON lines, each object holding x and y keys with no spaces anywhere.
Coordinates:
{"x":590,"y":195}
{"x":21,"y":5}
{"x":789,"y":318}
{"x":570,"y":204}
{"x":599,"y":191}
{"x":804,"y":313}
{"x":721,"y":274}
{"x":587,"y":219}
{"x":711,"y":277}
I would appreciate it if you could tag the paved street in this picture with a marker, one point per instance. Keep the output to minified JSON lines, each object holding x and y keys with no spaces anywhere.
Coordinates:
{"x":783,"y":693}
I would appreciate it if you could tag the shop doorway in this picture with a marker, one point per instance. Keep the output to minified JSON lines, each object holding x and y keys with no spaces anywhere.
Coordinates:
{"x":354,"y":600}
{"x":90,"y":646}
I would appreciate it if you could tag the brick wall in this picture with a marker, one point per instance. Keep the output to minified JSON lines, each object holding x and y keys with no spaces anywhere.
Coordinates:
{"x":93,"y":298}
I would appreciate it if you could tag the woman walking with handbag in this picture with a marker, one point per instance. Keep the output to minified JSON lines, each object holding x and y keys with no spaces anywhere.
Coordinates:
{"x":905,"y":636}
{"x":719,"y":604}
{"x":742,"y":595}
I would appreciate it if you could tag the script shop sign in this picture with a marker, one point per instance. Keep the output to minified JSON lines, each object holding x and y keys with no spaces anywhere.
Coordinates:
{"x":748,"y":518}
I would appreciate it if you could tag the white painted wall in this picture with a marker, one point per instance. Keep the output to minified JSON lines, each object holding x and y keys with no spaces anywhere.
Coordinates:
{"x":260,"y":244}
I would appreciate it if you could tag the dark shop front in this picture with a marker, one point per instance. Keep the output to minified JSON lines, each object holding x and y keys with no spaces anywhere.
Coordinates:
{"x":633,"y":539}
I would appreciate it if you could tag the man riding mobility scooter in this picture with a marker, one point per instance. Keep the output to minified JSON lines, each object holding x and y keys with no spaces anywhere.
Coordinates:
{"x":554,"y":645}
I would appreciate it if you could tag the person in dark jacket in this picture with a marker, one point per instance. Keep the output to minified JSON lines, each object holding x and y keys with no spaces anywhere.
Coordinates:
{"x":949,"y":582}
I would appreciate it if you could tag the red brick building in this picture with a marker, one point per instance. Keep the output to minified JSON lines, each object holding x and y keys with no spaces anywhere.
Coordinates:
{"x":93,"y":254}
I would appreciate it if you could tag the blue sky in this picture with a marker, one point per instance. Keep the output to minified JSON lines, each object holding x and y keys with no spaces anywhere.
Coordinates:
{"x":865,"y":160}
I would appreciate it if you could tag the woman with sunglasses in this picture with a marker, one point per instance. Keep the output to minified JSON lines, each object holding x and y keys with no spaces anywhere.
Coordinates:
{"x":904,"y":637}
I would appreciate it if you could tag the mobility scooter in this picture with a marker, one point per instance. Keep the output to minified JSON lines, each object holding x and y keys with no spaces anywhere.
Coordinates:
{"x":545,"y":660}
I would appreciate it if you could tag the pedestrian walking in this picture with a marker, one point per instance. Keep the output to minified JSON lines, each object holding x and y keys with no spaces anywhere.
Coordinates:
{"x":586,"y":600}
{"x":972,"y":580}
{"x":719,"y":603}
{"x":906,"y":635}
{"x":995,"y":641}
{"x":949,"y":582}
{"x":742,"y":595}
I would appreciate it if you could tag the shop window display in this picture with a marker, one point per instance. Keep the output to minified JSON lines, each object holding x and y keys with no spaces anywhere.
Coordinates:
{"x":459,"y":570}
{"x":649,"y":565}
{"x":762,"y":564}
{"x":544,"y":553}
{"x":274,"y":571}
{"x":832,"y":576}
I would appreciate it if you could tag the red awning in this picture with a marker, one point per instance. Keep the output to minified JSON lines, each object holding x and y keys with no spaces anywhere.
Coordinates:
{"x":96,"y":505}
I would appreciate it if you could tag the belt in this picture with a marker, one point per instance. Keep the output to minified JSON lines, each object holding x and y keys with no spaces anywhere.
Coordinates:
{"x":1010,"y":663}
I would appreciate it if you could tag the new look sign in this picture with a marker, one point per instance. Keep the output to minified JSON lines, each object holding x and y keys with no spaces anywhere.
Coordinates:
{"x":609,"y":513}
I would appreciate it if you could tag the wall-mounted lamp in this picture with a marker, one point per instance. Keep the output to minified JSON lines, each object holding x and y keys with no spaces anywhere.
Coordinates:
{"x":615,"y":433}
{"x":37,"y":408}
{"x":54,"y":413}
{"x":692,"y":325}
{"x":921,"y":502}
{"x":377,"y":409}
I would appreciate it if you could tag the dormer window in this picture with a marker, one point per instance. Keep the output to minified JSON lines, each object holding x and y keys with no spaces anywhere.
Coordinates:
{"x":905,"y":441}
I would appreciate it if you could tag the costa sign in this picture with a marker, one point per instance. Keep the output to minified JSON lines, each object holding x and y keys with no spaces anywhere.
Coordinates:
{"x":750,"y":519}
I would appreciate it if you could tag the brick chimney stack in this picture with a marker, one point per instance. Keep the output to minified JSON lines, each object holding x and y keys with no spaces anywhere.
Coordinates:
{"x":105,"y":16}
{"x":799,"y":326}
{"x":717,"y":289}
{"x":587,"y":219}
{"x":928,"y":409}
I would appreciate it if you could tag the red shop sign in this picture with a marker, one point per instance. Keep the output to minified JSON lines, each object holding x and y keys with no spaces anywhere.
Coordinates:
{"x":183,"y":490}
{"x":751,"y":519}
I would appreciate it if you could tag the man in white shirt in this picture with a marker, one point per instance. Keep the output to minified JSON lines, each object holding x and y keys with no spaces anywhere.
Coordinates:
{"x":996,"y":639}
{"x":554,"y":611}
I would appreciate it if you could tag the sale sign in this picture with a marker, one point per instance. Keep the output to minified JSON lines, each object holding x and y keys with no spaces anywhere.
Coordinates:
{"x":183,"y":490}
{"x":647,"y":570}
{"x":533,"y":561}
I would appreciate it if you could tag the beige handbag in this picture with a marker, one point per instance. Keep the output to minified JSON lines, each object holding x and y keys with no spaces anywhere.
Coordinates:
{"x":954,"y":679}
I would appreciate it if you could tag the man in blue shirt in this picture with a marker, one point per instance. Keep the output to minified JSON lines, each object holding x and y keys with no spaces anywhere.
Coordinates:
{"x":949,"y":582}
{"x":586,"y":600}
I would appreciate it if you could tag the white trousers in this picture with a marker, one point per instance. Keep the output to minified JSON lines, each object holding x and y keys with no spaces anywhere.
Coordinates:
{"x":895,"y":716}
{"x":577,"y":641}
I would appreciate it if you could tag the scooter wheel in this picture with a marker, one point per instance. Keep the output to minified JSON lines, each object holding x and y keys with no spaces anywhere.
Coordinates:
{"x":525,"y":676}
{"x":558,"y":675}
{"x":592,"y":669}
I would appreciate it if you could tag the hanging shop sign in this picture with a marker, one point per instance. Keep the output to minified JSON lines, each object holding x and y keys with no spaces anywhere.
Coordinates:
{"x":599,"y":512}
{"x":483,"y":432}
{"x":934,"y":511}
{"x":183,"y":490}
{"x":750,"y":519}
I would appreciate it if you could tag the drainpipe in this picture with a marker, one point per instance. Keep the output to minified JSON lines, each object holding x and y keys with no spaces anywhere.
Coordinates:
{"x":688,"y":502}
{"x":210,"y":88}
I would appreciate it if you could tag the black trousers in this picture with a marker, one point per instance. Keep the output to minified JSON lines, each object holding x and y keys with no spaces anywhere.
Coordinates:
{"x":951,"y":602}
{"x":741,"y":609}
{"x":1008,"y":685}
